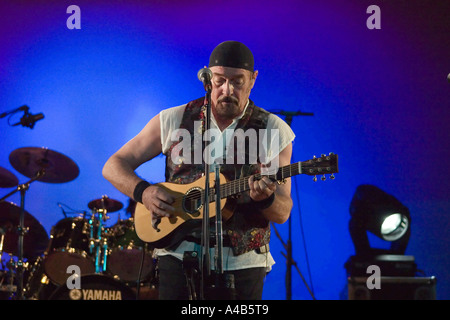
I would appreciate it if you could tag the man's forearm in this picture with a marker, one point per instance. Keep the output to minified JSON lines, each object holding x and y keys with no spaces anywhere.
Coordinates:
{"x":121,"y":175}
{"x":279,"y":210}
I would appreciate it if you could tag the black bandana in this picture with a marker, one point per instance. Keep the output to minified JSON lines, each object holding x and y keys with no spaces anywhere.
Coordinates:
{"x":232,"y":54}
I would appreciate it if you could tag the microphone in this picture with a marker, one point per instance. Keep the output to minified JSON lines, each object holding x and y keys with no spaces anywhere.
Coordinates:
{"x":205,"y":75}
{"x":29,"y":120}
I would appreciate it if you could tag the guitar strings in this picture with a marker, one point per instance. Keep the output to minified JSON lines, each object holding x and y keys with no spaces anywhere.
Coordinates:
{"x":230,"y":187}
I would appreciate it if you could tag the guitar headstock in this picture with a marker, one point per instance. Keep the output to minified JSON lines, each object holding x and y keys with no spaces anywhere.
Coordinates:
{"x":325,"y":164}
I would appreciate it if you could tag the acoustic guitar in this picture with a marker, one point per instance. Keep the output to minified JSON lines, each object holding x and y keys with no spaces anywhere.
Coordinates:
{"x":189,"y":199}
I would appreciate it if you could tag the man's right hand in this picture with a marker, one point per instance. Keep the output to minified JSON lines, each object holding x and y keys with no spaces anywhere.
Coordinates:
{"x":159,"y":202}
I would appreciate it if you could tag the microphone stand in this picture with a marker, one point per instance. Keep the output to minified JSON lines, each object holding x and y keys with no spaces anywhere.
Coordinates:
{"x":219,"y":237}
{"x":22,"y":108}
{"x":221,"y":281}
{"x":288,"y":245}
{"x":205,"y":267}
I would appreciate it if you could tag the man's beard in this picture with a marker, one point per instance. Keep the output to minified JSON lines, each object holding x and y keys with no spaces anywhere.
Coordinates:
{"x":228,"y":107}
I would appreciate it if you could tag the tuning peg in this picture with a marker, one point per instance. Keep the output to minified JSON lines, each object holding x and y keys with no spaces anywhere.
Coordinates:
{"x":323,"y":155}
{"x":331,"y":154}
{"x":315,"y":178}
{"x":323,"y":178}
{"x":314,"y":157}
{"x":332,"y":176}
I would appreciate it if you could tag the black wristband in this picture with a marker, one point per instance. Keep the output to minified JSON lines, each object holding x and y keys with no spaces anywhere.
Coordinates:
{"x":263,"y":204}
{"x":139,"y":190}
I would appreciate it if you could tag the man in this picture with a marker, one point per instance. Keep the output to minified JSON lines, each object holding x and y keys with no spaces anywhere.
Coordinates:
{"x":247,"y":233}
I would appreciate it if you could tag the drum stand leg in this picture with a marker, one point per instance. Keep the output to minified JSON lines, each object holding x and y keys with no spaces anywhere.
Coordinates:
{"x":105,"y":255}
{"x":100,"y":244}
{"x":21,"y":230}
{"x":97,"y":260}
{"x":2,"y":241}
{"x":8,"y":281}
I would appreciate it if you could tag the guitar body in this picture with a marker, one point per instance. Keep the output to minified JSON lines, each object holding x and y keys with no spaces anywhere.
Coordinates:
{"x":187,"y":211}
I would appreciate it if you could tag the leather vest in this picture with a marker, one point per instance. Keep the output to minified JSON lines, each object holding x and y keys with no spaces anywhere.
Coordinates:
{"x":247,"y":229}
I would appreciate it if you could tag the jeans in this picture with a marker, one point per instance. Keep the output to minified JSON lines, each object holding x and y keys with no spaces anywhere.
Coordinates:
{"x":248,"y":283}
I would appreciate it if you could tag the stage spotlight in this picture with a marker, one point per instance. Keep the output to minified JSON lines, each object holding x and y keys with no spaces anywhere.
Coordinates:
{"x":394,"y":273}
{"x":394,"y":227}
{"x":383,"y":215}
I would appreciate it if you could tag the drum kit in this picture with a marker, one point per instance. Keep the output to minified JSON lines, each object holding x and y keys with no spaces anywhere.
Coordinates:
{"x":111,"y":262}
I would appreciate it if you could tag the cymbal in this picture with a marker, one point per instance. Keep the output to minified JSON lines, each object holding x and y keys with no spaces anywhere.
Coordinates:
{"x":110,"y":205}
{"x":35,"y":241}
{"x":7,"y":178}
{"x":30,"y":160}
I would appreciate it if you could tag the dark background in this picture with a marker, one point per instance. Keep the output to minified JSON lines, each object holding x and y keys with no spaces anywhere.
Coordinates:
{"x":380,"y":100}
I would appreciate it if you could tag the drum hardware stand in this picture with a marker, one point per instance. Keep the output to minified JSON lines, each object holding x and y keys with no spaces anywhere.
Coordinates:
{"x":21,"y":230}
{"x":2,"y":240}
{"x":100,"y":243}
{"x":9,"y":284}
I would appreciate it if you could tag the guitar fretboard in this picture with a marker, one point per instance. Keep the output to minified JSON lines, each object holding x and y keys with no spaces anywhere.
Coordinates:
{"x":241,"y":185}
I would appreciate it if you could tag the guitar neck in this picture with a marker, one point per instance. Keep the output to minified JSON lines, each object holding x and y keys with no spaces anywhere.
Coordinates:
{"x":241,"y":185}
{"x":326,"y":164}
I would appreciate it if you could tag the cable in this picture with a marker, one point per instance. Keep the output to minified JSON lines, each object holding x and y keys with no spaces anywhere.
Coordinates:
{"x":303,"y":236}
{"x":72,"y":211}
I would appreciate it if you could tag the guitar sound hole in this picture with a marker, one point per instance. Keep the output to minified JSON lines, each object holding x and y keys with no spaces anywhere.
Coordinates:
{"x":192,"y":201}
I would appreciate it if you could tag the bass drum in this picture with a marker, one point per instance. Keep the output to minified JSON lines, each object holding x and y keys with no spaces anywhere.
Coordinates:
{"x":126,"y":253}
{"x":69,"y":245}
{"x":95,"y":287}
